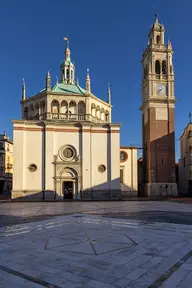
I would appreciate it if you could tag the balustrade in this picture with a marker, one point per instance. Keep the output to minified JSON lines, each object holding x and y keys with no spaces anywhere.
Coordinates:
{"x":69,"y":117}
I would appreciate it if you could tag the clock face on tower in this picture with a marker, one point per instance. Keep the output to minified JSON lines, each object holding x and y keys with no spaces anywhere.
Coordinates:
{"x":160,"y":89}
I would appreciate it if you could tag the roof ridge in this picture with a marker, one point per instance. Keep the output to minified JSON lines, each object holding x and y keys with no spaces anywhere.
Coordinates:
{"x":79,"y":88}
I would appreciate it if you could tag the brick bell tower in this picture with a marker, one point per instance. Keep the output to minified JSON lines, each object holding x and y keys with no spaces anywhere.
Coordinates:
{"x":158,"y":103}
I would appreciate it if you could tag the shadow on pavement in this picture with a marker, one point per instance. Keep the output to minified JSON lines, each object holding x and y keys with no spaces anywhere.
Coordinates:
{"x":155,"y":216}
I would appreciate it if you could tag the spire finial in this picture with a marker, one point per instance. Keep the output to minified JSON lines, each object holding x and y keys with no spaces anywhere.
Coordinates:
{"x":109,"y":93}
{"x":23,"y":90}
{"x":88,"y":82}
{"x":67,"y":50}
{"x":67,"y":41}
{"x":77,"y":81}
{"x":48,"y":81}
{"x":190,"y":117}
{"x":57,"y":82}
{"x":156,"y":18}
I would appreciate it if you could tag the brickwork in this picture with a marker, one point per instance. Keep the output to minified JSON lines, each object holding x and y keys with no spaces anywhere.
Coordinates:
{"x":159,"y":157}
{"x":158,"y":115}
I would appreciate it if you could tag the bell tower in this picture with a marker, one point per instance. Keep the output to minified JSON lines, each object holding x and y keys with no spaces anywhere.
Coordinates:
{"x":158,"y":103}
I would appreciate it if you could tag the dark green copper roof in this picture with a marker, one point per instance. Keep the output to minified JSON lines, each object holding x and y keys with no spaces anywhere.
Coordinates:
{"x":66,"y":88}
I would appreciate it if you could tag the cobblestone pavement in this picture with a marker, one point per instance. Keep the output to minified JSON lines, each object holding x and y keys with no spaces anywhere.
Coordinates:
{"x":164,"y":211}
{"x":81,"y":250}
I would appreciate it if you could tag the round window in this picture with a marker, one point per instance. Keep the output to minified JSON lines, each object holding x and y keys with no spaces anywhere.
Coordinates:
{"x":101,"y":168}
{"x":68,"y":153}
{"x":32,"y":167}
{"x":123,"y":156}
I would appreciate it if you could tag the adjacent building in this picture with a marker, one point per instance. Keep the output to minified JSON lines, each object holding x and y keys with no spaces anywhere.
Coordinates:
{"x":158,"y":104}
{"x":185,"y":161}
{"x":66,"y":145}
{"x":6,"y":164}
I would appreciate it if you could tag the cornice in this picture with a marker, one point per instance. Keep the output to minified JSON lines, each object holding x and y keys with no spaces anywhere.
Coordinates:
{"x":39,"y":95}
{"x":100,"y":100}
{"x":154,"y":100}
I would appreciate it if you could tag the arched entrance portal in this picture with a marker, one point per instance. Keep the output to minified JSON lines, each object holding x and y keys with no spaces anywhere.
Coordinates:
{"x":67,"y":190}
{"x":68,"y":184}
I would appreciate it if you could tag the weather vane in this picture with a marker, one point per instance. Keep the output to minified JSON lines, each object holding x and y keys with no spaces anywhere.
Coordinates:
{"x":66,"y":38}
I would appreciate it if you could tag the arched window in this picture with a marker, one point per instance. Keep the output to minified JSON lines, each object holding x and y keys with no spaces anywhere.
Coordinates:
{"x":55,"y":106}
{"x":158,"y":39}
{"x":42,"y":108}
{"x":37,"y":110}
{"x":1,"y":146}
{"x":106,"y":116}
{"x":98,"y":112}
{"x":164,"y":68}
{"x":157,"y":67}
{"x":93,"y":110}
{"x":73,"y":107}
{"x":171,"y":69}
{"x":67,"y":73}
{"x":71,"y":74}
{"x":64,"y":107}
{"x":26,"y":113}
{"x":81,"y":107}
{"x":102,"y":114}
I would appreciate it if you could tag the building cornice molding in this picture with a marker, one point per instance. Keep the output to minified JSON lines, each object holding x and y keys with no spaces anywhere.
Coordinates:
{"x":155,"y":100}
{"x":37,"y":96}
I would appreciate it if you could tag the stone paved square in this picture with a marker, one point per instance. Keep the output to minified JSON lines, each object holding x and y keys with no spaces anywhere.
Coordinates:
{"x":90,"y":248}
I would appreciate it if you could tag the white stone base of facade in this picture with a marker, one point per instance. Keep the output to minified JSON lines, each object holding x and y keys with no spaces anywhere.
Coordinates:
{"x":100,"y":195}
{"x":51,"y":195}
{"x":27,"y":195}
{"x":160,"y":189}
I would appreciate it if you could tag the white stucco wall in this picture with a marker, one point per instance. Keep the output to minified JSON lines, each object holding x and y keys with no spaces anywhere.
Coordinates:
{"x":86,"y":156}
{"x":32,"y":154}
{"x":95,"y":145}
{"x":115,"y":158}
{"x":99,"y":157}
{"x":130,"y":170}
{"x":19,"y":142}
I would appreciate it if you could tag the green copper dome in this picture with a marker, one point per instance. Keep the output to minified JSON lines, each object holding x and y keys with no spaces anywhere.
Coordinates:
{"x":66,"y":88}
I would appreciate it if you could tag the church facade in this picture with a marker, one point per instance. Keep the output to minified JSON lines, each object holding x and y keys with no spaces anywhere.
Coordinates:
{"x":66,"y":146}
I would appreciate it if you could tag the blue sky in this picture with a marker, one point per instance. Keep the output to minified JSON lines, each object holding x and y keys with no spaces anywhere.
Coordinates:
{"x":107,"y":37}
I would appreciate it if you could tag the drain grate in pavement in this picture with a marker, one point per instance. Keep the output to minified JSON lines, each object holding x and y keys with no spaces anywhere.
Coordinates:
{"x":27,"y":277}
